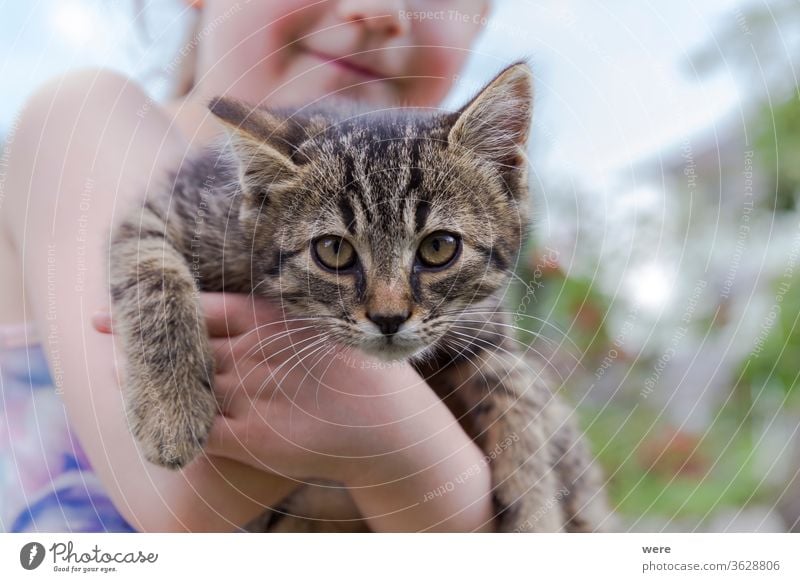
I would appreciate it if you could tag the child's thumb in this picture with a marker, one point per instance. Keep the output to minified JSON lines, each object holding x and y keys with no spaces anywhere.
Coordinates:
{"x":101,"y":321}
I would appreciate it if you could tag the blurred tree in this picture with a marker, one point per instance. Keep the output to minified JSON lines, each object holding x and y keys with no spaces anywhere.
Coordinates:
{"x":762,"y":41}
{"x":773,"y":364}
{"x":761,"y":38}
{"x":777,"y":141}
{"x":554,"y":303}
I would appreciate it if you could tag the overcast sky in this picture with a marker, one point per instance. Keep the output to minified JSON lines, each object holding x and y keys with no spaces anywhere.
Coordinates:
{"x":611,"y":74}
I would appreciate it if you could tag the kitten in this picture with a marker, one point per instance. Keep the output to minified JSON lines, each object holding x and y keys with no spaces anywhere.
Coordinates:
{"x":391,"y":228}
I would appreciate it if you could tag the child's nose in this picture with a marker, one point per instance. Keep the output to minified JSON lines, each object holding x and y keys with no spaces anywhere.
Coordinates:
{"x":380,"y":16}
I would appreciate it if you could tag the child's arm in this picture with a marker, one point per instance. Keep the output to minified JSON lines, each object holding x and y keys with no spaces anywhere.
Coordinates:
{"x":84,"y":148}
{"x":297,"y":405}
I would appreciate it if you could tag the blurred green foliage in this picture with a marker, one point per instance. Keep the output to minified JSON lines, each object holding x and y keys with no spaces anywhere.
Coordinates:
{"x":654,"y":469}
{"x":773,"y":364}
{"x":657,"y":470}
{"x":569,"y":310}
{"x":777,"y":142}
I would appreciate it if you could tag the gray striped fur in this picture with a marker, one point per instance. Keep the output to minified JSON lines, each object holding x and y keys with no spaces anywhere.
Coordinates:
{"x":242,"y":218}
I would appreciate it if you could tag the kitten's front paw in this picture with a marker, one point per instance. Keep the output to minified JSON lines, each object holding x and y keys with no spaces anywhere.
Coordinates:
{"x":171,"y":430}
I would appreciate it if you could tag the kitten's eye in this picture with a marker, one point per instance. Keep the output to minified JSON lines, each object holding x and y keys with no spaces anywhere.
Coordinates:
{"x":334,"y":253}
{"x":438,"y":249}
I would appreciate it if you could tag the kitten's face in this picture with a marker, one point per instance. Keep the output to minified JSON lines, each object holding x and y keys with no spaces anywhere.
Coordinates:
{"x":386,"y":227}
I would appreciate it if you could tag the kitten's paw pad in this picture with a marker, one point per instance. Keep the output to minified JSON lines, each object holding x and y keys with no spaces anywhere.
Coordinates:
{"x":173,"y":434}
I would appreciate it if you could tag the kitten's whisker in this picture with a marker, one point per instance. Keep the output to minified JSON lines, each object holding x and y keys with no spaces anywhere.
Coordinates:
{"x":564,"y":337}
{"x":269,"y":338}
{"x":261,"y":344}
{"x":485,"y":324}
{"x":260,"y":390}
{"x":495,"y":347}
{"x":293,"y":345}
{"x":283,"y":333}
{"x":468,"y":347}
{"x":256,"y":286}
{"x":479,"y":357}
{"x":300,"y":359}
{"x":481,"y":325}
{"x":544,"y":358}
{"x":243,"y":378}
{"x":526,"y":345}
{"x":281,"y":322}
{"x":537,"y":319}
{"x":529,"y":349}
{"x":279,"y":383}
{"x":301,"y":383}
{"x":263,"y":327}
{"x":346,"y":351}
{"x":518,"y":357}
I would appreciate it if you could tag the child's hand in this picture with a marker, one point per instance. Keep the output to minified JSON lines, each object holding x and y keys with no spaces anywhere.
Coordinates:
{"x":296,"y":405}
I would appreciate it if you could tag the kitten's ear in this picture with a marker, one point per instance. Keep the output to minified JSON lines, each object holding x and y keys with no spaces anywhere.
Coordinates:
{"x":260,"y":143}
{"x":496,"y":123}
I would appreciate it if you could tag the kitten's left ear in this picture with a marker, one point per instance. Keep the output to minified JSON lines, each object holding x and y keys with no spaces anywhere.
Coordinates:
{"x":261,"y":142}
{"x":496,"y":123}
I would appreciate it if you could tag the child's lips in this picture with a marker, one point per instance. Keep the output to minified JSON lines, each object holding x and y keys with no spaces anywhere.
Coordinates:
{"x":348,"y":65}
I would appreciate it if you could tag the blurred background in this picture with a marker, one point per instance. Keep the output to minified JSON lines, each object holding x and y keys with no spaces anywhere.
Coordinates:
{"x":661,"y":284}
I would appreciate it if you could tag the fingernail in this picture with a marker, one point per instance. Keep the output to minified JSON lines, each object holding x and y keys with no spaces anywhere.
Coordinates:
{"x":101,"y":320}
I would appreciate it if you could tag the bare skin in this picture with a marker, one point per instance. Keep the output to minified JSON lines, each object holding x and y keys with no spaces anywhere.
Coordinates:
{"x":81,"y":154}
{"x":212,"y":494}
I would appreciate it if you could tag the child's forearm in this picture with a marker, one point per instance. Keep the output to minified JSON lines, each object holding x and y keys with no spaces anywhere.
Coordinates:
{"x":441,"y":483}
{"x":453,"y":495}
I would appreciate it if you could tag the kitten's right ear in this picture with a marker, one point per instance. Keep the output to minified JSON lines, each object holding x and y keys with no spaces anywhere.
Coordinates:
{"x":496,"y":123}
{"x":260,"y":143}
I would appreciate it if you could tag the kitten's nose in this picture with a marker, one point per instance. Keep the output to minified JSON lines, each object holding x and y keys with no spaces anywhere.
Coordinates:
{"x":389,"y":323}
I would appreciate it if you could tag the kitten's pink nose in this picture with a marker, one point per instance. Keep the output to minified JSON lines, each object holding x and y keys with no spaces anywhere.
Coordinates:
{"x":389,"y":323}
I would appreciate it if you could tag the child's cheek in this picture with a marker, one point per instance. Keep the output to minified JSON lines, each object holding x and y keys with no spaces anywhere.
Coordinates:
{"x":450,"y":41}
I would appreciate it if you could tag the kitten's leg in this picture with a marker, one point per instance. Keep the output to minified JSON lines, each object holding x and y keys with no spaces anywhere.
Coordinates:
{"x":502,"y":408}
{"x":169,"y":398}
{"x":526,"y":487}
{"x":585,"y":505}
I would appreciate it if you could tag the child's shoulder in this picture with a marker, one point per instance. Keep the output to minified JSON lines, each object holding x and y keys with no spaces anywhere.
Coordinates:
{"x":83,"y":90}
{"x":90,"y":100}
{"x":92,"y":114}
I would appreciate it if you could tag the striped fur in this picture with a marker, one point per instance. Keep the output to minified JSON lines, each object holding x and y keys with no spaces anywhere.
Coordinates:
{"x":244,"y":217}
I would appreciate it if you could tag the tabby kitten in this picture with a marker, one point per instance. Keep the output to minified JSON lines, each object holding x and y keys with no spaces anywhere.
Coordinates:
{"x":398,"y":231}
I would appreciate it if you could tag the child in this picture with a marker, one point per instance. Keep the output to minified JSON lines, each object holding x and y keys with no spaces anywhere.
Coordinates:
{"x":91,"y":143}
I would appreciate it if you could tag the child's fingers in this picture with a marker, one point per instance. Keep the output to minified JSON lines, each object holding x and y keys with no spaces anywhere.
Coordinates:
{"x":222,"y":351}
{"x":101,"y":321}
{"x":221,"y":438}
{"x":237,"y":390}
{"x":245,"y":384}
{"x":257,"y":446}
{"x":228,"y":393}
{"x":230,"y":314}
{"x":229,"y":438}
{"x":226,"y":314}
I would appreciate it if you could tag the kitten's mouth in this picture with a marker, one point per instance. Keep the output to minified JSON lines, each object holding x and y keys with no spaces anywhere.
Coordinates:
{"x":392,"y":348}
